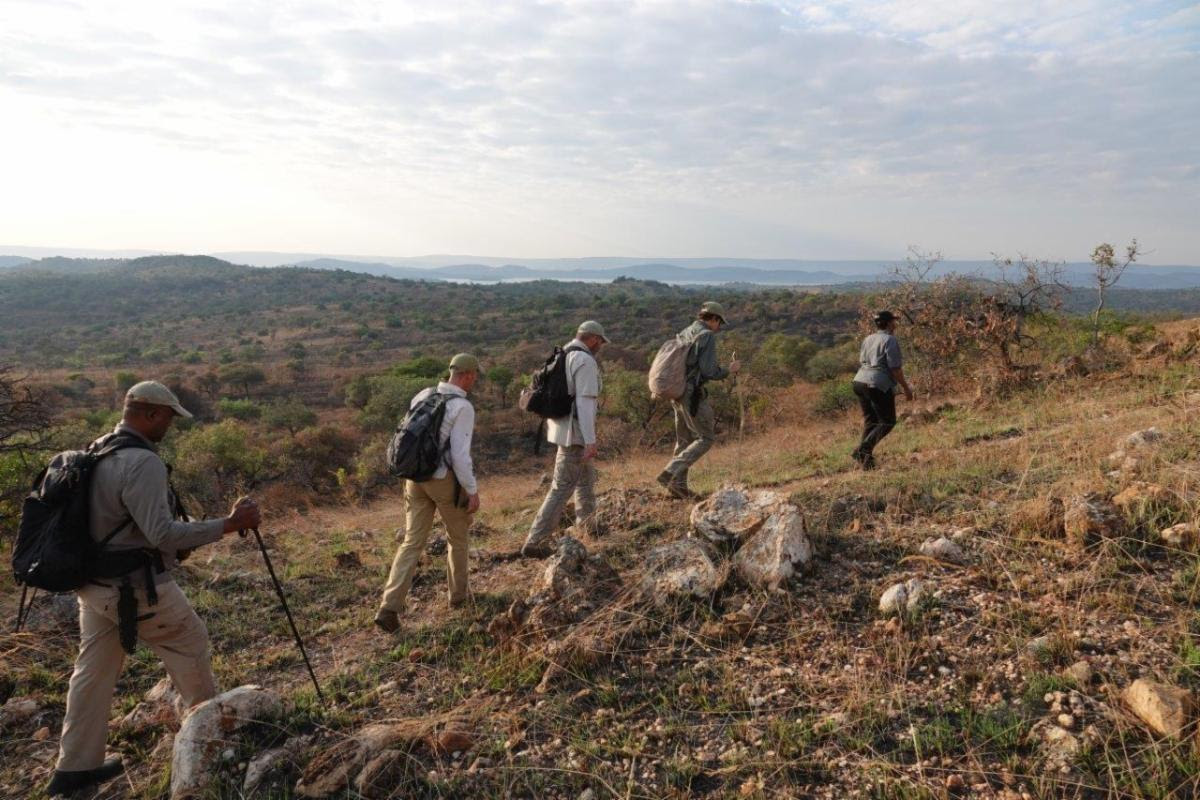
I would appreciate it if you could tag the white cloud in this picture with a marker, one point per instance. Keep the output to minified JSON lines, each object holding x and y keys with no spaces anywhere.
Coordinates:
{"x":802,"y":129}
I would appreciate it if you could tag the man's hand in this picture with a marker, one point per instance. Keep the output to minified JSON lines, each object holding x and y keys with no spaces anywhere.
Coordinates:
{"x":589,"y":451}
{"x":244,"y":516}
{"x":735,"y":367}
{"x":473,"y":503}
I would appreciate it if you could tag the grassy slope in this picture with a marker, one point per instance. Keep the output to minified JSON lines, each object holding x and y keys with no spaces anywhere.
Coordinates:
{"x":819,"y":698}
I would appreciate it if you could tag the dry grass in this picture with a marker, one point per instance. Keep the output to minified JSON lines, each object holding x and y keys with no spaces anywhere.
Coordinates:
{"x":815,"y":696}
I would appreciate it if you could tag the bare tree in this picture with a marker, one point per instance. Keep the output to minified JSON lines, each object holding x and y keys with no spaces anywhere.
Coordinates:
{"x":1109,"y":269}
{"x":24,"y":414}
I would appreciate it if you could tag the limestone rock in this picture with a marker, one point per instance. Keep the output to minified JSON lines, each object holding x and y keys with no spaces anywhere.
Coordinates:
{"x":16,"y":711}
{"x":733,"y":514}
{"x":1089,"y":518}
{"x":943,"y":549}
{"x":54,"y":612}
{"x":1165,"y":709}
{"x":1080,"y":672}
{"x":1183,"y":536}
{"x":776,"y":552}
{"x":206,"y":730}
{"x":263,"y":766}
{"x":683,"y":568}
{"x":901,"y":598}
{"x":162,"y":707}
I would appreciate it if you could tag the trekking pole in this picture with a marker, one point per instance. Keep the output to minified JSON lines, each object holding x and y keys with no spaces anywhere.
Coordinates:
{"x":737,"y":390}
{"x":23,"y":609}
{"x":287,"y":611}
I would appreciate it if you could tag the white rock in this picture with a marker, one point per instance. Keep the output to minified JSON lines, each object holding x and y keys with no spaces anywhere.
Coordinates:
{"x":902,"y":597}
{"x":776,"y":551}
{"x":943,"y":550}
{"x":17,"y":710}
{"x":1183,"y":535}
{"x":205,"y":733}
{"x":261,"y":767}
{"x":683,"y":568}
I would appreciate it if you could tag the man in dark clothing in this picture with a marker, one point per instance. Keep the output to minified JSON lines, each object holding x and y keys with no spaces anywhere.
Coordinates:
{"x":695,"y":429}
{"x":880,"y":373}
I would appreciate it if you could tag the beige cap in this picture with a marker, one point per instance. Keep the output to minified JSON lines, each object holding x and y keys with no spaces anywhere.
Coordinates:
{"x":464,"y":362}
{"x":713,"y":308}
{"x":592,"y":327}
{"x":155,"y":394}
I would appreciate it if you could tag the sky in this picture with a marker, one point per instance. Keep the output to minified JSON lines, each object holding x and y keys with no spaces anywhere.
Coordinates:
{"x":826,"y":130}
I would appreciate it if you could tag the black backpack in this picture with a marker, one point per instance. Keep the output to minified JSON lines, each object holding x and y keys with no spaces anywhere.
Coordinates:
{"x":55,"y":550}
{"x":416,"y":451}
{"x":547,"y":395}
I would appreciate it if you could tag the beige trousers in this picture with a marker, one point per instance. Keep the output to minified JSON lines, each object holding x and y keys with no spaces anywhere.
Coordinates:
{"x":694,"y":436}
{"x":572,"y":475}
{"x":422,"y":500}
{"x":173,"y":632}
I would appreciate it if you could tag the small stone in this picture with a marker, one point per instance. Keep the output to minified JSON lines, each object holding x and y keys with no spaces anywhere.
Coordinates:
{"x":943,"y":550}
{"x":955,"y":782}
{"x":1182,"y":536}
{"x":1080,"y":672}
{"x":1165,"y":709}
{"x":587,"y":794}
{"x":41,"y":734}
{"x":416,"y":654}
{"x":1066,"y":721}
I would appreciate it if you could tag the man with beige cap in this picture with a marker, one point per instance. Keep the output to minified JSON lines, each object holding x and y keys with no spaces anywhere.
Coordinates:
{"x":134,"y":513}
{"x":575,"y":435}
{"x":695,"y":426}
{"x":452,"y":493}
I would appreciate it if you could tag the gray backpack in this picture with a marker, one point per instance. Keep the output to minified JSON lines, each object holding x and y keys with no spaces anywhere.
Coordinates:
{"x":668,"y":371}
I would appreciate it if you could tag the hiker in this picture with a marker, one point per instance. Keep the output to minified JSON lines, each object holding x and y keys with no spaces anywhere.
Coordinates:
{"x":575,"y":435}
{"x":451,"y":492}
{"x":875,"y":385}
{"x":131,"y":496}
{"x":694,"y":423}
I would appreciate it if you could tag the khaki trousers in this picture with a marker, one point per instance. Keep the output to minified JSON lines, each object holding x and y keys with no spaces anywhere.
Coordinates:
{"x":173,"y":632}
{"x":423,"y":499}
{"x":572,"y":475}
{"x":694,"y":435}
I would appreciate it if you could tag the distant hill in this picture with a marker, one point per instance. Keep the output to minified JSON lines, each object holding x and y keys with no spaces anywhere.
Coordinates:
{"x":13,"y":261}
{"x":712,"y":272}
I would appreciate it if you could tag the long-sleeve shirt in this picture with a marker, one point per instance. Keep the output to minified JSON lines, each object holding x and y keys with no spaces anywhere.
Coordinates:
{"x":458,"y":426}
{"x":130,"y":486}
{"x":584,"y":384}
{"x":702,"y":363}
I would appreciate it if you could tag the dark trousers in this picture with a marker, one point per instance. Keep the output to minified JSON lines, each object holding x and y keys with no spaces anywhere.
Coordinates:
{"x":879,"y":415}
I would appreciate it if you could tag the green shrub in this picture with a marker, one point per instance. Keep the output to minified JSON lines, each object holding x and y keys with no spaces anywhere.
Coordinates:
{"x":239,"y":409}
{"x":836,"y":396}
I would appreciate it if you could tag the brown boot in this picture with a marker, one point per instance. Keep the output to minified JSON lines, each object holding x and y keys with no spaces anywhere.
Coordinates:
{"x":388,"y":621}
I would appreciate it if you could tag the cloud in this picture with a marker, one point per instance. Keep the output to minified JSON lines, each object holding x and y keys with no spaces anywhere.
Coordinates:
{"x":665,"y":104}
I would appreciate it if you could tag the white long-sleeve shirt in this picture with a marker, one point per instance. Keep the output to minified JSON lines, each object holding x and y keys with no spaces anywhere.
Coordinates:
{"x":458,"y":426}
{"x":584,"y":384}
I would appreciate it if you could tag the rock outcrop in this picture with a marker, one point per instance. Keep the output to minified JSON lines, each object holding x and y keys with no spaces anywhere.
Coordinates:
{"x":686,"y":568}
{"x":1167,"y":710}
{"x":1089,"y":518}
{"x":206,"y":731}
{"x":764,"y":528}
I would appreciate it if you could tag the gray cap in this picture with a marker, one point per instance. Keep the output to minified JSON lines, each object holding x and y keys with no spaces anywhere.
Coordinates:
{"x":155,"y":394}
{"x":594,"y":328}
{"x":464,"y":362}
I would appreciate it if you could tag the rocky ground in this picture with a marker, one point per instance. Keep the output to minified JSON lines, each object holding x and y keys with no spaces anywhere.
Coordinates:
{"x":1007,"y":609}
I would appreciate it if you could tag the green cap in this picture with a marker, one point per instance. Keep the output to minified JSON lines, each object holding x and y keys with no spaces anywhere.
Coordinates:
{"x":592,"y":327}
{"x":713,"y":308}
{"x":155,"y":394}
{"x":464,"y":362}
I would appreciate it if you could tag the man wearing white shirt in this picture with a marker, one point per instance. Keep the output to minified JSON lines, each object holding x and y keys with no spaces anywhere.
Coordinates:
{"x":451,"y":492}
{"x":575,"y":435}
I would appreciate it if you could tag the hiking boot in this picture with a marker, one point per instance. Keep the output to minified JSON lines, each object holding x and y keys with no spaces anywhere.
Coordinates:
{"x":388,"y":621}
{"x":681,"y":492}
{"x":69,"y":782}
{"x":867,"y":461}
{"x":537,"y":551}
